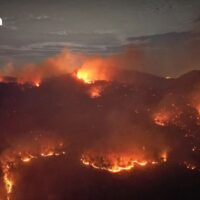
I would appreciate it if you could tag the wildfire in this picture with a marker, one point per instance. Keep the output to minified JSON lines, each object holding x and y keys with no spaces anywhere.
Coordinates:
{"x":115,"y":163}
{"x":118,"y":165}
{"x":11,"y":158}
{"x":35,"y":83}
{"x":167,"y":116}
{"x":95,"y":69}
{"x":8,"y":184}
{"x":85,"y":76}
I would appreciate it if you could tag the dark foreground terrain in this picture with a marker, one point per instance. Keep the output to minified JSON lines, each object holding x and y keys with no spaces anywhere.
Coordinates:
{"x":123,"y":117}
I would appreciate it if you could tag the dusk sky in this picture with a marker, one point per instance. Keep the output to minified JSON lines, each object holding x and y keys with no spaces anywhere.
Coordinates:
{"x":165,"y":32}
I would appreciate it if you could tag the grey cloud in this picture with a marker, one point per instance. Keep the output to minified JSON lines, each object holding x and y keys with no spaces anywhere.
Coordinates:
{"x":197,"y":19}
{"x":39,"y":17}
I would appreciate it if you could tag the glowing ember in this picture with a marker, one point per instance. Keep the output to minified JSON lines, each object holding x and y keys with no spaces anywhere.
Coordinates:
{"x":164,"y":156}
{"x":162,"y":118}
{"x":26,"y":159}
{"x":168,"y":77}
{"x":198,"y":108}
{"x":196,"y":105}
{"x":95,"y":91}
{"x":37,"y":83}
{"x":190,"y":166}
{"x":166,"y":116}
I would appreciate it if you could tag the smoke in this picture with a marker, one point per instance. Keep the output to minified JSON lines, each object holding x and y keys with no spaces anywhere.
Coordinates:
{"x":97,"y":67}
{"x":63,"y":63}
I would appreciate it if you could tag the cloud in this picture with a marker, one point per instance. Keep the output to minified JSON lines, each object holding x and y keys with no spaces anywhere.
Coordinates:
{"x":39,"y":17}
{"x":164,"y":54}
{"x":197,"y":19}
{"x":171,"y":53}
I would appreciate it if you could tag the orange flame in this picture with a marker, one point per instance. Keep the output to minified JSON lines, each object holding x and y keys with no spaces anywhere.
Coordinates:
{"x":37,"y":83}
{"x":162,"y":118}
{"x":164,"y":156}
{"x":84,"y":75}
{"x":167,"y":116}
{"x":94,"y":70}
{"x":8,"y":182}
{"x":25,"y":154}
{"x":115,"y":163}
{"x":95,"y":91}
{"x":86,"y":68}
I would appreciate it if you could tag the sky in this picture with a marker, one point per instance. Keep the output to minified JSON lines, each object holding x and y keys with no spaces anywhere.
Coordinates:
{"x":166,"y":32}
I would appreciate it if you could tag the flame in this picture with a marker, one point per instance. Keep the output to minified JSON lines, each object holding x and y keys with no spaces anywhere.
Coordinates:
{"x":198,"y":109}
{"x":85,"y":76}
{"x":168,"y":77}
{"x":116,"y":163}
{"x":90,"y":74}
{"x":96,"y":69}
{"x":37,"y":83}
{"x":164,"y":156}
{"x":166,"y":116}
{"x":11,"y":158}
{"x":88,"y":68}
{"x":52,"y":153}
{"x":95,"y":91}
{"x":8,"y":183}
{"x":125,"y":160}
{"x":162,"y":118}
{"x":190,"y":165}
{"x":26,"y":159}
{"x":33,"y":73}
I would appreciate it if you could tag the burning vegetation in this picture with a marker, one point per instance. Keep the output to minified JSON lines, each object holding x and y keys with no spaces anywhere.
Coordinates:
{"x":119,"y":162}
{"x":116,"y":120}
{"x":25,"y":151}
